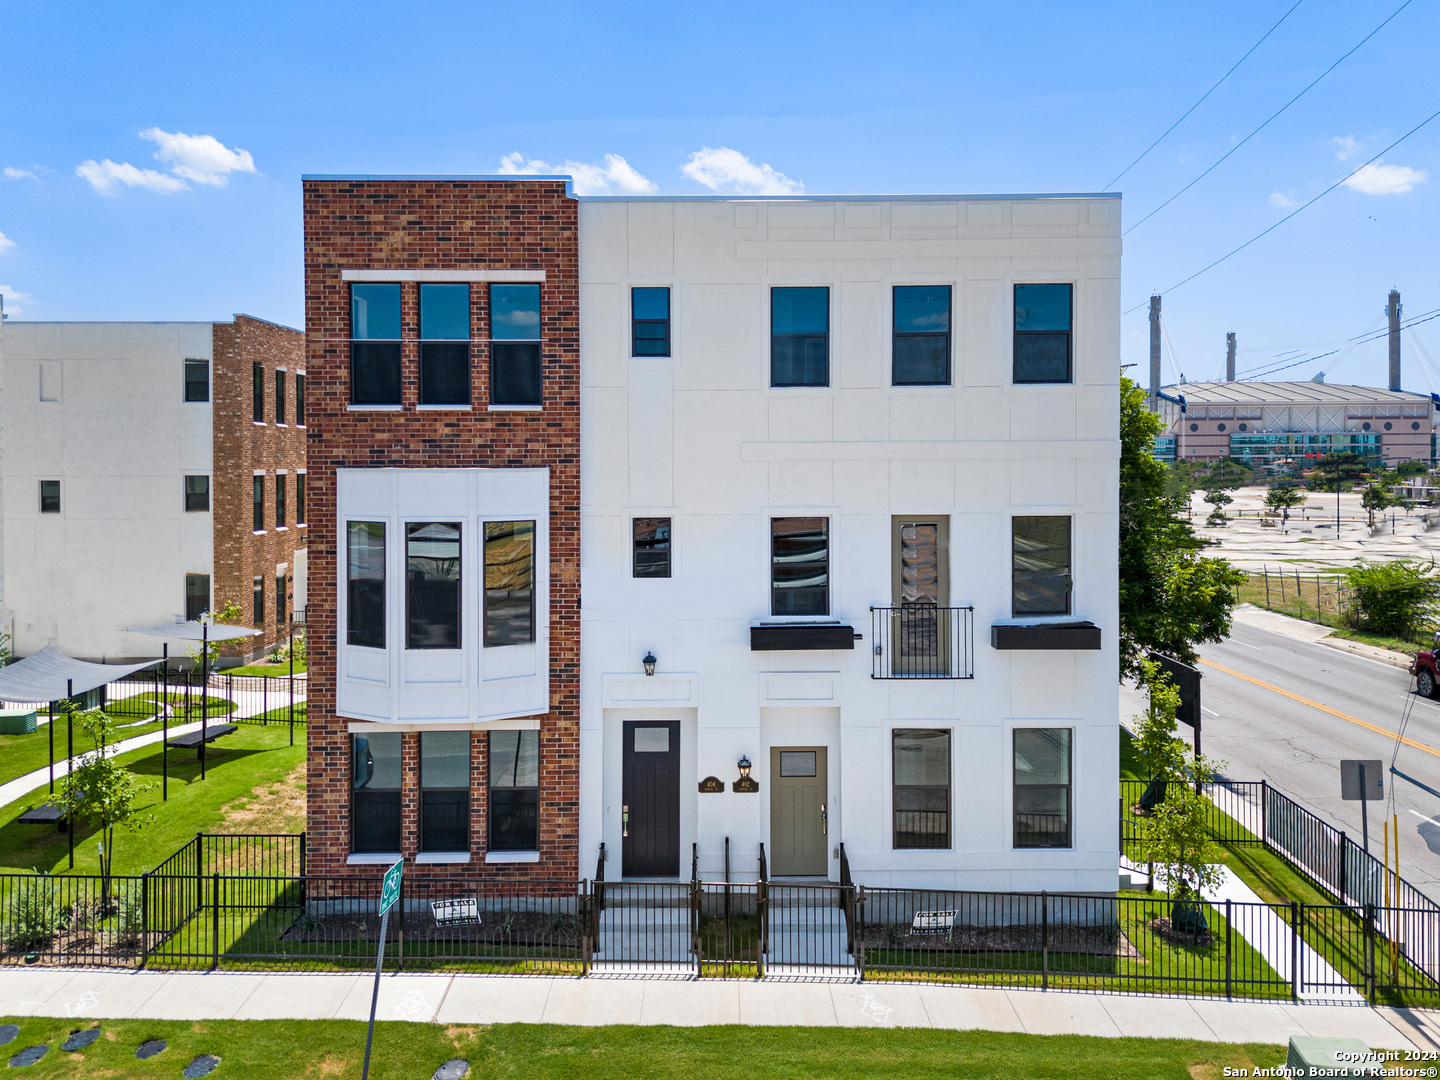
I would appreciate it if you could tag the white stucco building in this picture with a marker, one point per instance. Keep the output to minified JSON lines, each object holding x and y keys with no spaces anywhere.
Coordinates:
{"x":850,"y":473}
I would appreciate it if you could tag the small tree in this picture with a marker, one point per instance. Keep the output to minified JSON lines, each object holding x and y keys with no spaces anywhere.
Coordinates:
{"x":1160,"y":751}
{"x":101,"y":789}
{"x":1374,"y":498}
{"x":1176,"y":838}
{"x":1219,"y":499}
{"x":1283,"y":497}
{"x":1397,"y":599}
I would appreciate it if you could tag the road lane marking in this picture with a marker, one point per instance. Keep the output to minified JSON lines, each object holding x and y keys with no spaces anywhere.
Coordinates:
{"x":1210,"y":712}
{"x":1324,"y":708}
{"x":1416,"y":699}
{"x":1421,"y":816}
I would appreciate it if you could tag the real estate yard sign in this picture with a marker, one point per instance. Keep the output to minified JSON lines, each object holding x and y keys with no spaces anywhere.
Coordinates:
{"x":389,"y":893}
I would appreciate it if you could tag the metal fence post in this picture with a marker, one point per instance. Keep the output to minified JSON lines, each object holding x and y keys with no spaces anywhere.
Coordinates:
{"x":400,"y":930}
{"x":1294,"y":950}
{"x":695,"y":923}
{"x":1228,"y":926}
{"x":1370,"y":952}
{"x":215,"y":924}
{"x":1044,"y":940}
{"x":1265,"y":813}
{"x":144,"y":920}
{"x":586,"y":941}
{"x":1344,"y":866}
{"x":859,"y":931}
{"x":199,"y":876}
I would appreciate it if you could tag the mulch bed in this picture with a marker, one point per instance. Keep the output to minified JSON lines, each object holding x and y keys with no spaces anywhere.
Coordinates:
{"x":532,"y":929}
{"x":1162,"y":929}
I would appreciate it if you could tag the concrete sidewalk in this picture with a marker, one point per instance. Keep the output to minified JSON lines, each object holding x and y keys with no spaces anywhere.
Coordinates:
{"x":481,"y":999}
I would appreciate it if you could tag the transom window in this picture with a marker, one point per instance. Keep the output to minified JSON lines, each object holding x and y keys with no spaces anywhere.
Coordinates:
{"x":515,"y":344}
{"x":1042,"y":333}
{"x":650,"y":321}
{"x":800,"y":336}
{"x":920,"y":344}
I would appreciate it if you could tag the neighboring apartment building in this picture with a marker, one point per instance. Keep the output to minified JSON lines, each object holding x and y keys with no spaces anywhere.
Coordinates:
{"x":851,"y":488}
{"x":443,"y":352}
{"x":151,"y":471}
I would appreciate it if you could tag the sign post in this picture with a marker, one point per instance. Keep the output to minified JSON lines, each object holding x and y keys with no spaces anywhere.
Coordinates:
{"x":389,"y":893}
{"x":1362,"y":782}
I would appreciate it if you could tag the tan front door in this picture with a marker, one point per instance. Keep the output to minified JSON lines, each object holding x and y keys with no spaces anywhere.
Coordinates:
{"x":798,"y":824}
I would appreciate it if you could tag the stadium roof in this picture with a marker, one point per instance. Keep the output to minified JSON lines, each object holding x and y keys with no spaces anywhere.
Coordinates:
{"x":1290,"y":393}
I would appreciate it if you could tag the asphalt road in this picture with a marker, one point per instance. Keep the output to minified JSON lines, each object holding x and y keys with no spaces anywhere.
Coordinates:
{"x":1261,"y":733}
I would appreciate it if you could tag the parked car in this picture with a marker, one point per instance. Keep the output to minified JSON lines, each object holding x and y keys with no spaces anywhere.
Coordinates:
{"x":1427,"y":678}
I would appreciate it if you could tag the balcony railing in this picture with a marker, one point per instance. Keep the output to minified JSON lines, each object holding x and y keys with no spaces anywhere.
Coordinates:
{"x":921,"y":641}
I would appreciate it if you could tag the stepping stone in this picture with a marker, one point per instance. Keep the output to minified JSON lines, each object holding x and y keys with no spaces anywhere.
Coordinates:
{"x":150,"y":1049}
{"x":8,"y":1033}
{"x":79,"y":1040}
{"x":29,"y":1056}
{"x":454,"y":1069}
{"x":203,"y":1065}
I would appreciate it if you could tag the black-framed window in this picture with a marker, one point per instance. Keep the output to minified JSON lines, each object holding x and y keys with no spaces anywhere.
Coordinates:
{"x":375,"y":792}
{"x":444,"y":344}
{"x":1040,"y":571}
{"x":652,"y":547}
{"x":509,"y":582}
{"x":257,"y":596}
{"x":920,"y":776}
{"x":257,"y":502}
{"x":300,"y":399}
{"x":374,"y":343}
{"x":280,"y":507}
{"x":257,"y":393}
{"x":920,"y":339}
{"x":365,"y":583}
{"x":279,"y":396}
{"x":432,"y":585}
{"x":1042,"y":788}
{"x":280,"y":598}
{"x":515,"y":344}
{"x":197,"y":380}
{"x":300,"y":498}
{"x":800,"y":336}
{"x":514,"y":765}
{"x":650,"y":321}
{"x":444,"y":791}
{"x":800,"y":566}
{"x":1043,"y":321}
{"x":49,"y":496}
{"x":197,"y":595}
{"x":197,"y":494}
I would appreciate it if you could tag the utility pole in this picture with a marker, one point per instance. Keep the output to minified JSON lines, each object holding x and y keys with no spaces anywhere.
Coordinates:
{"x":1155,"y":352}
{"x":1230,"y":356}
{"x":1392,"y":309}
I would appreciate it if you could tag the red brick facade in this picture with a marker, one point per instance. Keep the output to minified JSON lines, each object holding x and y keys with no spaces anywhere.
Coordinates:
{"x":435,"y":224}
{"x":244,"y":447}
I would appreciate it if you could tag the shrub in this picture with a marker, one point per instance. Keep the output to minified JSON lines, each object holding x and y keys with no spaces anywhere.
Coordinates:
{"x":1397,"y":599}
{"x":34,"y":916}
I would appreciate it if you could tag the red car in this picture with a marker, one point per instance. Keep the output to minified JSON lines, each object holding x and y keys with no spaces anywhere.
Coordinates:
{"x":1423,"y":668}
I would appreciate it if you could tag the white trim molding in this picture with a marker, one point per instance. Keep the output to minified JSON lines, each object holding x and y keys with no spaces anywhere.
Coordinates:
{"x":636,"y":690}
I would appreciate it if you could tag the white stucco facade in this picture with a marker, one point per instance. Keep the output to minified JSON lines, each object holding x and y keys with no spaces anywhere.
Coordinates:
{"x":100,"y":408}
{"x":702,"y":438}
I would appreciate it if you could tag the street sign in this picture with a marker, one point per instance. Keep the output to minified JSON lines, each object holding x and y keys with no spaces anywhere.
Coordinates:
{"x":1354,"y":789}
{"x":390,"y":887}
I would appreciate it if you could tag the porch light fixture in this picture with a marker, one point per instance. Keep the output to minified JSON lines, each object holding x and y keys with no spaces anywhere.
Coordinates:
{"x":649,"y":663}
{"x":744,"y":766}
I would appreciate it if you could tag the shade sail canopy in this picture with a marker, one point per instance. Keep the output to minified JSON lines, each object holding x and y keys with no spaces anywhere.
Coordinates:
{"x":49,"y":675}
{"x":195,"y":631}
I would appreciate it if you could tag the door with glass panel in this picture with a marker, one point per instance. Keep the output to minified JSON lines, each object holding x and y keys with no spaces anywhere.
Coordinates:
{"x":650,"y":799}
{"x":799,"y":823}
{"x":920,"y":631}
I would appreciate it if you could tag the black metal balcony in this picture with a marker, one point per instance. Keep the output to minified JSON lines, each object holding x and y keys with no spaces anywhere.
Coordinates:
{"x":921,"y":641}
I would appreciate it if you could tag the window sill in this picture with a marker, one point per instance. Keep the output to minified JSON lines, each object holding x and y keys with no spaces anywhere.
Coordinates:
{"x":444,"y":408}
{"x":282,"y":528}
{"x":373,"y":408}
{"x":514,"y":408}
{"x":281,"y":423}
{"x":375,"y":858}
{"x":302,"y":524}
{"x":427,"y":857}
{"x":258,"y":423}
{"x":257,"y":532}
{"x":512,"y":857}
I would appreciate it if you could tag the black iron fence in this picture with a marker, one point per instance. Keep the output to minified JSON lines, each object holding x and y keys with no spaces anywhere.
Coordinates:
{"x":180,"y":696}
{"x":922,"y":641}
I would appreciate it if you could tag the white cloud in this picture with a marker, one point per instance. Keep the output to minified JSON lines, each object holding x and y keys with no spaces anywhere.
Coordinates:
{"x":13,"y":299}
{"x":108,"y":176}
{"x":202,"y":158}
{"x":1377,"y":178}
{"x":729,"y":171}
{"x":1348,"y":145}
{"x":614,"y":176}
{"x":12,"y":173}
{"x":5,"y":243}
{"x":1282,"y":200}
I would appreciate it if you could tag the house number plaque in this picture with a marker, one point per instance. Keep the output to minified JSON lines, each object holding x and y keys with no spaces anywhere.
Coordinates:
{"x":746,"y":785}
{"x":712,"y":785}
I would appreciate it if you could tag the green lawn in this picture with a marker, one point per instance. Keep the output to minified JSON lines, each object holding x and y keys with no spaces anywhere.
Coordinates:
{"x":282,"y":714}
{"x":263,"y":669}
{"x":291,"y":1049}
{"x":20,"y":754}
{"x":235,"y":766}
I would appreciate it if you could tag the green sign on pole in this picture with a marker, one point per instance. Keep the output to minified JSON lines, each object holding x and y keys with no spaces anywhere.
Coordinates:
{"x":390,"y":887}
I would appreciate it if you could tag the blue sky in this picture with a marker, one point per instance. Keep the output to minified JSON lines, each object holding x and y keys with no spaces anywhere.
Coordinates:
{"x":199,"y":217}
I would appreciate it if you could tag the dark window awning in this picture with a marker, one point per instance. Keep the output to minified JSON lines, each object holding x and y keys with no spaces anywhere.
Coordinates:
{"x":50,"y":675}
{"x":1079,"y":636}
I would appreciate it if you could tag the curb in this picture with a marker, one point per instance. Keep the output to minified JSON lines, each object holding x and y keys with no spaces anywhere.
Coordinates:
{"x":1370,"y":652}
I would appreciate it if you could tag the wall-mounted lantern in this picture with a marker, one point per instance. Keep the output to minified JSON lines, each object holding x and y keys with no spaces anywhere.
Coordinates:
{"x":649,"y":663}
{"x":745,"y":784}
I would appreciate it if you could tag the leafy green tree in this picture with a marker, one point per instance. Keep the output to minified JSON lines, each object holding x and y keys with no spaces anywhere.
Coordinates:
{"x":1397,"y":599}
{"x":1412,"y":468}
{"x":1284,"y":497}
{"x":1343,"y":468}
{"x":1171,"y":597}
{"x":1374,"y":498}
{"x":1159,"y":751}
{"x":1218,"y":498}
{"x":102,"y":790}
{"x":1177,"y":838}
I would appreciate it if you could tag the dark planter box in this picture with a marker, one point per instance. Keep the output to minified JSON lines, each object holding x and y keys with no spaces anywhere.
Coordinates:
{"x":801,"y":637}
{"x":1073,"y":636}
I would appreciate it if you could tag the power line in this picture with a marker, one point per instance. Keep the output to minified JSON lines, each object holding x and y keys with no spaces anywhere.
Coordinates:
{"x":1262,"y":127}
{"x":1354,"y":342}
{"x":1298,"y":209}
{"x":1203,"y":96}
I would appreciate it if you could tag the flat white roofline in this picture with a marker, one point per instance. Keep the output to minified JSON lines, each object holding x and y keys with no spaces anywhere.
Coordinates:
{"x":151,"y":322}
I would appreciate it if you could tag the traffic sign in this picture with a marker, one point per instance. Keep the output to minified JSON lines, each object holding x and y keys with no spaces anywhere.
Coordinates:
{"x":390,"y":887}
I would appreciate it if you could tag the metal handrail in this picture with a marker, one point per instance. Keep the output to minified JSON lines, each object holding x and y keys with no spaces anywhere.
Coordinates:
{"x":923,"y":641}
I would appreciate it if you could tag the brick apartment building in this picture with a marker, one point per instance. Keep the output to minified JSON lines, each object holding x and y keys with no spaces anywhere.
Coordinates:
{"x":443,"y":609}
{"x":152,"y":470}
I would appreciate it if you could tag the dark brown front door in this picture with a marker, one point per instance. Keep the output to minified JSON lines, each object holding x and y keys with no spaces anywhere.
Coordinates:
{"x":650,"y":810}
